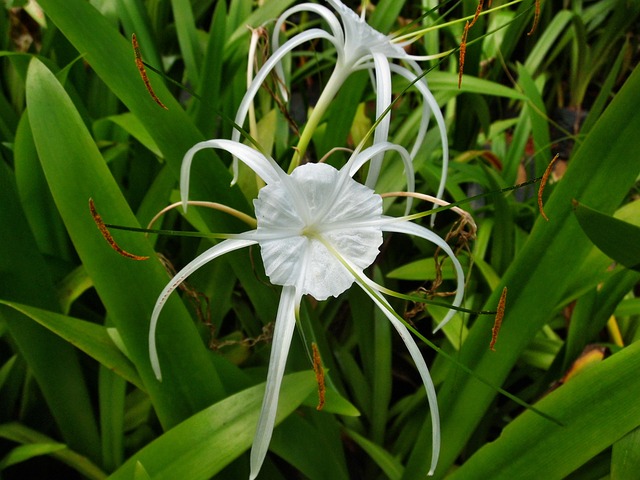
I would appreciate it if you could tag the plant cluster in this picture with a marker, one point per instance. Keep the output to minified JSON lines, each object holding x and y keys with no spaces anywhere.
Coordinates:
{"x":280,"y":326}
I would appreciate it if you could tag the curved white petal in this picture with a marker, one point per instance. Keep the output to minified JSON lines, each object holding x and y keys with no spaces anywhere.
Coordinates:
{"x":265,"y":167}
{"x":421,"y":365}
{"x":430,"y":100}
{"x":419,"y":231}
{"x":266,"y":69}
{"x":324,"y":12}
{"x":356,"y":162}
{"x":212,"y":253}
{"x":383,"y":100}
{"x":362,"y":40}
{"x":285,"y":323}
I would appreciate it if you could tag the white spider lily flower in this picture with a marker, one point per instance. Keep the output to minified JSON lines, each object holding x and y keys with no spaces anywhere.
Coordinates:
{"x":318,"y":230}
{"x":358,"y":47}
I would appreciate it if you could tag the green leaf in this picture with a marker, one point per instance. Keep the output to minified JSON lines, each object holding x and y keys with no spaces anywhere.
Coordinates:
{"x":425,"y":269}
{"x":625,"y":458}
{"x":23,"y":453}
{"x":187,"y":38}
{"x":26,"y":278}
{"x":617,"y":239}
{"x":75,"y":172}
{"x":445,"y":81}
{"x":596,"y":409}
{"x":204,"y":444}
{"x":333,"y":403}
{"x":19,"y":433}
{"x":90,"y":338}
{"x":391,"y":467}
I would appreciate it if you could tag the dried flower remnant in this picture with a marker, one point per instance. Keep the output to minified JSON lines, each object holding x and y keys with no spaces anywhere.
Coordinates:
{"x":107,"y":235}
{"x":143,"y":71}
{"x":463,"y":42}
{"x":498,"y":321}
{"x":319,"y":371}
{"x":543,"y":183}
{"x":536,"y":18}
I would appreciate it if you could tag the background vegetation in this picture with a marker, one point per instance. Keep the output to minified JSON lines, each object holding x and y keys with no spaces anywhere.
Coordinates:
{"x":77,"y":395}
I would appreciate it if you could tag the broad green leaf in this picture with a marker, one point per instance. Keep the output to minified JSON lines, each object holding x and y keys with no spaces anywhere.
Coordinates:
{"x":23,"y":453}
{"x":26,"y":278}
{"x":90,"y":338}
{"x":617,"y":239}
{"x":596,"y":408}
{"x":205,"y":443}
{"x":24,"y":435}
{"x":5,"y":370}
{"x":213,"y":72}
{"x":424,"y":269}
{"x":188,"y":39}
{"x":111,"y":397}
{"x":72,"y":286}
{"x":444,"y":81}
{"x":625,"y":458}
{"x":547,"y":41}
{"x":75,"y":172}
{"x":536,"y":110}
{"x":171,"y":130}
{"x":136,"y":129}
{"x":333,"y":403}
{"x":313,"y":444}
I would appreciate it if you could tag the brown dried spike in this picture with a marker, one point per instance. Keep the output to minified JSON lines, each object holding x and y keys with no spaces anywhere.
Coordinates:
{"x":543,"y":183}
{"x":319,"y":371}
{"x":536,"y":18}
{"x":498,"y":322}
{"x":463,"y":51}
{"x":143,"y":72}
{"x":477,"y":14}
{"x":107,"y":236}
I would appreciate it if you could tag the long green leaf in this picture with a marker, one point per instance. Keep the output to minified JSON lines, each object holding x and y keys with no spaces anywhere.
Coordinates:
{"x":76,"y":172}
{"x":25,"y":278}
{"x":92,"y":339}
{"x":24,"y":435}
{"x":111,"y":56}
{"x":204,"y":444}
{"x":617,"y":239}
{"x":597,"y":407}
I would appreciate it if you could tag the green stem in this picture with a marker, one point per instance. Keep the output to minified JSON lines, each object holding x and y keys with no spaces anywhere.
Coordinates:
{"x":329,"y":92}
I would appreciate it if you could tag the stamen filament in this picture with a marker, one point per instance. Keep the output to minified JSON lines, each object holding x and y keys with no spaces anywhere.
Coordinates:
{"x":248,"y":219}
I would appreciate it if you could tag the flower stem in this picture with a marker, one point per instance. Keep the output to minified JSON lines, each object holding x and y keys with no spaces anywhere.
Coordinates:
{"x":329,"y":92}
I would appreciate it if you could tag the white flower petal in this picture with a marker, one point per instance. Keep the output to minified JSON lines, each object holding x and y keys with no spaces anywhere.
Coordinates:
{"x":282,"y":258}
{"x":212,"y":253}
{"x":262,"y":74}
{"x":419,"y":231}
{"x":421,"y":365}
{"x":361,"y":39}
{"x":285,"y":323}
{"x":325,"y":13}
{"x":265,"y":167}
{"x":318,"y":203}
{"x":383,"y":100}
{"x":358,"y":160}
{"x":430,"y":102}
